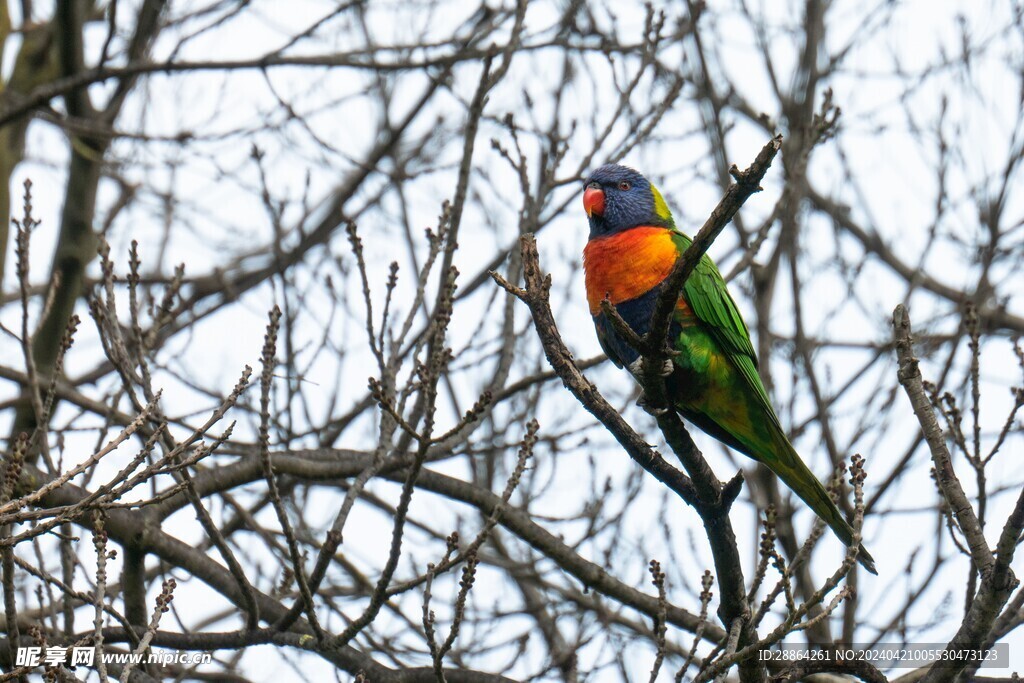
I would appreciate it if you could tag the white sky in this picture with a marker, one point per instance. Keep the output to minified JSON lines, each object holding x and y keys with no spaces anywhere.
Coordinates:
{"x":218,"y":218}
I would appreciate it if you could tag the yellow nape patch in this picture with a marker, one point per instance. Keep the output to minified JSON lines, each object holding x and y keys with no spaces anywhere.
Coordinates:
{"x":660,"y":207}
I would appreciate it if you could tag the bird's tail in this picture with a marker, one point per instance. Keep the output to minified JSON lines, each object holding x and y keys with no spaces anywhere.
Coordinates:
{"x":796,"y":475}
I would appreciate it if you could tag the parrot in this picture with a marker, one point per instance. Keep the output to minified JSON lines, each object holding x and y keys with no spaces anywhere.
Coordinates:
{"x":712,"y":381}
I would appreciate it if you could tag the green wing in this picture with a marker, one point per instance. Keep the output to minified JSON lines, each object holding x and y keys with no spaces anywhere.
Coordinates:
{"x":718,"y":317}
{"x":709,"y":299}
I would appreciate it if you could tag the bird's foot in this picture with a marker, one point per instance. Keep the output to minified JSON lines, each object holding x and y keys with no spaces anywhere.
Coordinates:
{"x":642,"y":403}
{"x":667,"y":367}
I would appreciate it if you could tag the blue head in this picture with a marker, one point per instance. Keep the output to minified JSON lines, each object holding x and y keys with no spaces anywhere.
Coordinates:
{"x":617,"y":198}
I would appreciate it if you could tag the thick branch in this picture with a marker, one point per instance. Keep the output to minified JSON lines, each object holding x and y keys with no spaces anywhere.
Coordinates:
{"x":909,"y":375}
{"x":747,"y":183}
{"x":998,"y":581}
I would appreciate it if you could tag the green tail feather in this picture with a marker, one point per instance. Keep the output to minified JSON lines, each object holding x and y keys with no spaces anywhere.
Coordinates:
{"x":802,"y":481}
{"x":782,"y":459}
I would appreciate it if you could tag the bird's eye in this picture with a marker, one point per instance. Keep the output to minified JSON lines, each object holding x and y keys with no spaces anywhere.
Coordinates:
{"x":624,"y":186}
{"x":594,"y":185}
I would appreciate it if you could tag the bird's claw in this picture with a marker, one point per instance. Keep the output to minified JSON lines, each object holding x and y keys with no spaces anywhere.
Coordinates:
{"x":666,"y":369}
{"x":642,"y":403}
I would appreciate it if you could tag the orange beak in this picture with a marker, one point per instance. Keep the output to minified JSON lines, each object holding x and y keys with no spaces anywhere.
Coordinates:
{"x":593,"y":201}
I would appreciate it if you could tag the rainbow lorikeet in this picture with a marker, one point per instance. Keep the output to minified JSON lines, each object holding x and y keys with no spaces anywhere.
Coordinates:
{"x":713,"y":381}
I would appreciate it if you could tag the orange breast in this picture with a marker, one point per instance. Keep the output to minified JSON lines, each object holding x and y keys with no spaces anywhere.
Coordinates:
{"x":626,"y":265}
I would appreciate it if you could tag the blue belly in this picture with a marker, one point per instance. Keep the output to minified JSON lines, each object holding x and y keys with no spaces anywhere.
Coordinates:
{"x":637,"y":314}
